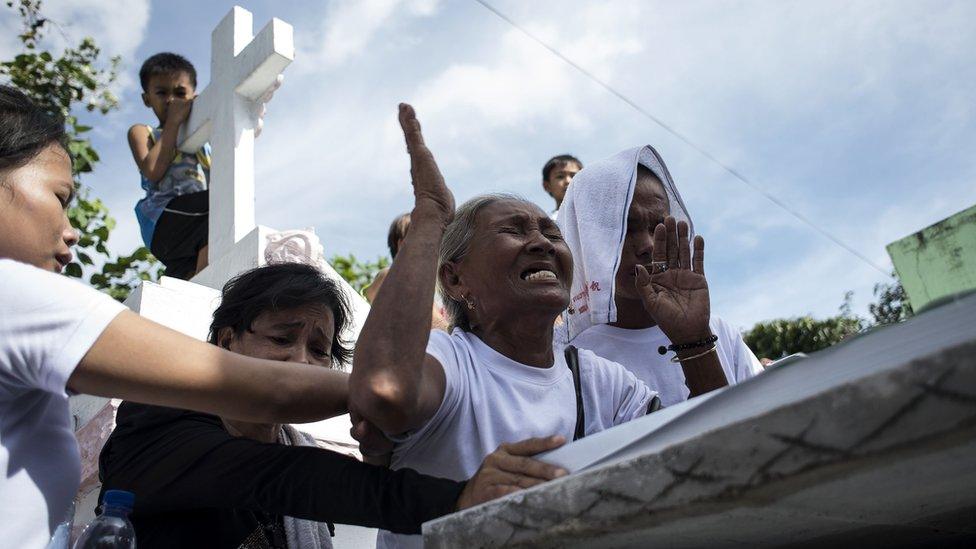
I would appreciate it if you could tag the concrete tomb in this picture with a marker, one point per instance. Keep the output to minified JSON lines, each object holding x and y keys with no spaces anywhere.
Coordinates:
{"x":870,"y":442}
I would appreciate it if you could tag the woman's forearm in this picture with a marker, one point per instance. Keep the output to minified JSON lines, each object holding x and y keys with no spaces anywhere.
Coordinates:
{"x":387,"y":374}
{"x":139,"y":360}
{"x":240,"y":473}
{"x":703,"y":373}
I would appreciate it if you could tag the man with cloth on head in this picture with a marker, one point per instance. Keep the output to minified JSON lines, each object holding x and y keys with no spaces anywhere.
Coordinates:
{"x":609,"y":218}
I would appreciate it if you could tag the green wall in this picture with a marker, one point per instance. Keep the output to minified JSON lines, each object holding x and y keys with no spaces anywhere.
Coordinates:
{"x":939,"y":260}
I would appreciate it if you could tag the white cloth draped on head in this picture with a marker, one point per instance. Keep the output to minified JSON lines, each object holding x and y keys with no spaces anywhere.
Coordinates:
{"x":593,"y":221}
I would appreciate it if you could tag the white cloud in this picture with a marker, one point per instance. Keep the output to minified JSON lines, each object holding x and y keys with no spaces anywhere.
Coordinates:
{"x":837,"y":108}
{"x":116,"y":29}
{"x":522,"y":84}
{"x":351,"y":25}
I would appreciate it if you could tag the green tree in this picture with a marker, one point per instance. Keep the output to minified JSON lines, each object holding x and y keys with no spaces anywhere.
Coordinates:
{"x":357,"y":273}
{"x":892,"y":305}
{"x":61,"y":85}
{"x":785,"y":336}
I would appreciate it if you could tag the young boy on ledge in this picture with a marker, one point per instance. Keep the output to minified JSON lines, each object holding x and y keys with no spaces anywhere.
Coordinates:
{"x":173,"y":216}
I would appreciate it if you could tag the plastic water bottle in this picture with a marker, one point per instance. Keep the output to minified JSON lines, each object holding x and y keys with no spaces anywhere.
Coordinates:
{"x":111,"y":529}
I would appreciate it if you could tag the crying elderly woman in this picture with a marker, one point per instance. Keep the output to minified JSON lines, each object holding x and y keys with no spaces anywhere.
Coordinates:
{"x":504,"y":272}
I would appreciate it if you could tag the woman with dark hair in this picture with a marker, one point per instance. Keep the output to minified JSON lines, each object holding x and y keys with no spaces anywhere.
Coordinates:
{"x":208,"y":481}
{"x":58,"y":336}
{"x":504,"y":272}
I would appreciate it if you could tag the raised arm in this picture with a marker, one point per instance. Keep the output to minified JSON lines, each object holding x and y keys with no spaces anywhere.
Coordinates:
{"x":394,"y":383}
{"x":136,"y":359}
{"x":676,"y":295}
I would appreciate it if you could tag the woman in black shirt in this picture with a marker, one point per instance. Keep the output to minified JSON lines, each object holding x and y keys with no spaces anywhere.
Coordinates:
{"x":205,"y":481}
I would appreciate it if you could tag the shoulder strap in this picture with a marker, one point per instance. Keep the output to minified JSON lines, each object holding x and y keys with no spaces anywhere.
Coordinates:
{"x":572,"y":360}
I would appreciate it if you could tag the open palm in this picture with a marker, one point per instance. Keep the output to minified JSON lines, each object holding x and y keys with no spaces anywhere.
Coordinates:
{"x":429,"y":188}
{"x":675,"y":293}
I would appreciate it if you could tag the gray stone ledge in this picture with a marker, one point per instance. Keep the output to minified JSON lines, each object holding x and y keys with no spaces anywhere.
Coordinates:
{"x":887,"y":457}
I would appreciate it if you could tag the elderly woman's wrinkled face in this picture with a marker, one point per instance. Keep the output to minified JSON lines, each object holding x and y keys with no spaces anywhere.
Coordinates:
{"x":648,"y":208}
{"x":517,"y":262}
{"x":34,"y":200}
{"x":302,"y":334}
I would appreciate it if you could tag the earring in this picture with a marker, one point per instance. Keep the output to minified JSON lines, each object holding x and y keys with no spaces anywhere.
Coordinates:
{"x":469,"y":302}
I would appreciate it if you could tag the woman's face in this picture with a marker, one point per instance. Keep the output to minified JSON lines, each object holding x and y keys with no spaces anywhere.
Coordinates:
{"x":301,"y":334}
{"x":517,"y":264}
{"x":648,"y":208}
{"x":34,"y":199}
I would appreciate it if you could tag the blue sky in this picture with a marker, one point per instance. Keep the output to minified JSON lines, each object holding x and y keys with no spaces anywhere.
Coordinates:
{"x":861,"y":115}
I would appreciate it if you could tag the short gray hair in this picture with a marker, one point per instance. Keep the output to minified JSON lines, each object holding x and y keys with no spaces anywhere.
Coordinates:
{"x":455,"y":245}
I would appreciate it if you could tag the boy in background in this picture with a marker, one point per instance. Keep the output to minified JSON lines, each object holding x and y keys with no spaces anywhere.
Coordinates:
{"x":173,"y":216}
{"x":394,"y":239}
{"x":398,"y":231}
{"x":556,"y":175}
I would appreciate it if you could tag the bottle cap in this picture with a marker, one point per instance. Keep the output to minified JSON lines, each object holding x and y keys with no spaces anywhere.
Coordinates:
{"x":118,"y":498}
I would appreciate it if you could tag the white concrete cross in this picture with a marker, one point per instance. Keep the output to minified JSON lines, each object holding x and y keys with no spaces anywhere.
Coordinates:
{"x":242,"y":68}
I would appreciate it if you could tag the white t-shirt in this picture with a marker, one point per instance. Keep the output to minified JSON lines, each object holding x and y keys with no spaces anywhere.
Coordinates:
{"x":47,"y":324}
{"x":637,"y":350}
{"x":489,"y":399}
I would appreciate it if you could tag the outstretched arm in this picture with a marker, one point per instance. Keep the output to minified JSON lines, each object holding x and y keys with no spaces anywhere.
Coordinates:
{"x":139,"y":360}
{"x":191,"y":462}
{"x":676,"y":295}
{"x":394,"y":383}
{"x":188,"y":461}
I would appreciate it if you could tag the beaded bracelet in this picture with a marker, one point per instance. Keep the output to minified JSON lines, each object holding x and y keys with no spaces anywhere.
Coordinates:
{"x":685,"y":346}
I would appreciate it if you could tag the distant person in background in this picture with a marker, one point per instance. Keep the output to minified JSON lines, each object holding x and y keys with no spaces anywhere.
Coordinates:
{"x":556,"y":175}
{"x":394,"y":239}
{"x":398,"y":230}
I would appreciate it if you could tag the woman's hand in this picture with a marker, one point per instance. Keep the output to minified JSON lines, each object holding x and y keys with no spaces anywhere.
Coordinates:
{"x":431,"y":194}
{"x":510,"y":469}
{"x":676,"y":293}
{"x":373,"y":444}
